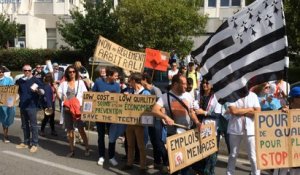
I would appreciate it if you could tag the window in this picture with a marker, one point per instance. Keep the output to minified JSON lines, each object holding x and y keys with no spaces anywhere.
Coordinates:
{"x":224,"y":3}
{"x":235,"y":2}
{"x":22,"y":36}
{"x":48,"y":1}
{"x":211,"y":3}
{"x":228,"y":3}
{"x":51,"y":38}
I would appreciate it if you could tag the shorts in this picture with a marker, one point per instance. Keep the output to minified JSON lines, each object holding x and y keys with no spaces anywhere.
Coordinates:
{"x":70,"y":124}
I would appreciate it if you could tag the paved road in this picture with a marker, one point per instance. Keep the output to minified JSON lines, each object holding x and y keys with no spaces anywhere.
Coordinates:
{"x":50,"y":158}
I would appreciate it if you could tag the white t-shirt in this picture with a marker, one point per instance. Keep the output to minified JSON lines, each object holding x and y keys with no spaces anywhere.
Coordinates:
{"x":180,"y":115}
{"x":235,"y":124}
{"x":172,"y":73}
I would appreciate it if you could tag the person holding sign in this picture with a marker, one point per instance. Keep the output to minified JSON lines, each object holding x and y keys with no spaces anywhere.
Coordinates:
{"x":7,"y":113}
{"x":107,"y":85}
{"x":29,"y":91}
{"x":241,"y":125}
{"x":136,"y":132}
{"x":179,"y":108}
{"x":209,"y":112}
{"x":70,"y":92}
{"x":155,"y":130}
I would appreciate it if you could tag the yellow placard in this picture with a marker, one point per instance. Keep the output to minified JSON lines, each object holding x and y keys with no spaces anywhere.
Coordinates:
{"x":117,"y":108}
{"x":8,"y":95}
{"x":277,"y":139}
{"x":189,"y":147}
{"x":119,"y":56}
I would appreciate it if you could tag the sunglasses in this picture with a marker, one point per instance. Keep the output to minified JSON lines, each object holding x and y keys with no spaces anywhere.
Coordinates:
{"x":267,"y":87}
{"x":71,"y":71}
{"x":38,"y":67}
{"x":29,"y":70}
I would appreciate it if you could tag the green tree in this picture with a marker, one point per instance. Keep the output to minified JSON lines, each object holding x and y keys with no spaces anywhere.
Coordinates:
{"x":83,"y":31}
{"x":8,"y":31}
{"x":292,"y":17}
{"x":159,"y":24}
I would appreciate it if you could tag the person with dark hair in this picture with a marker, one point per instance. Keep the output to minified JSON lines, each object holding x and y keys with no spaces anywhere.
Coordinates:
{"x":182,"y":70}
{"x":178,"y":105}
{"x":38,"y":72}
{"x":191,"y":73}
{"x":67,"y":90}
{"x":209,"y":112}
{"x":136,"y":132}
{"x":29,"y":91}
{"x":7,"y":113}
{"x":107,"y":85}
{"x":155,"y":130}
{"x":241,"y":126}
{"x":49,"y":104}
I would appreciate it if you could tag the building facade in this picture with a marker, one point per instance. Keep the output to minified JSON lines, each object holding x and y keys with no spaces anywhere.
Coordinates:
{"x":38,"y":20}
{"x":218,"y":11}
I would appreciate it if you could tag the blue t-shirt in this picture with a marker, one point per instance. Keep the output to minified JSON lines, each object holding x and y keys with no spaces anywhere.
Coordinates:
{"x":101,"y":86}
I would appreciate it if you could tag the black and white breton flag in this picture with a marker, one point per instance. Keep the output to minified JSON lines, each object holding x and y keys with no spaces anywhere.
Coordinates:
{"x":249,"y":48}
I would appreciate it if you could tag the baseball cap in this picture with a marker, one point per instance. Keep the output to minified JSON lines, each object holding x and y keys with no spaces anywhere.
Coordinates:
{"x":295,"y":92}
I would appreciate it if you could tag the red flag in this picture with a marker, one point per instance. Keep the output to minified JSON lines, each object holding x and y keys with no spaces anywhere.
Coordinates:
{"x":157,"y":60}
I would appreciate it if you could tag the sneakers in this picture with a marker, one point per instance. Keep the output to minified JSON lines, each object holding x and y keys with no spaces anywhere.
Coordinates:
{"x":33,"y":149}
{"x":6,"y":140}
{"x":21,"y":146}
{"x":100,"y":161}
{"x":113,"y":162}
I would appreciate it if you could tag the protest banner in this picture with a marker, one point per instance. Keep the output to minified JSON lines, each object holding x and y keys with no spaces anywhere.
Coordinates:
{"x":118,"y":108}
{"x":157,"y":60}
{"x":119,"y":56}
{"x":8,"y":95}
{"x":277,"y":139}
{"x":189,"y":147}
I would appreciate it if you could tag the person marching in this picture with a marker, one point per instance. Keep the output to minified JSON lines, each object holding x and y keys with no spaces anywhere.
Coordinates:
{"x":68,"y":91}
{"x":178,"y":105}
{"x":7,"y":113}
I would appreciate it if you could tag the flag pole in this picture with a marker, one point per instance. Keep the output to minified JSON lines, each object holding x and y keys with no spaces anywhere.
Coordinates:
{"x":153,"y":71}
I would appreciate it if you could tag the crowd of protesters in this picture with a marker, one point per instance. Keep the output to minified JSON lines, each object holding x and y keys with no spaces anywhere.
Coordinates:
{"x":189,"y":102}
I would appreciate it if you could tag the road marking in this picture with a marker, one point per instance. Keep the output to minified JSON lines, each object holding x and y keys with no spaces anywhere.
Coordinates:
{"x":48,"y":163}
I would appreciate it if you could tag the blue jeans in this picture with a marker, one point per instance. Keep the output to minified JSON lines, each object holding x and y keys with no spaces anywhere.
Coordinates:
{"x":159,"y":150}
{"x":29,"y":123}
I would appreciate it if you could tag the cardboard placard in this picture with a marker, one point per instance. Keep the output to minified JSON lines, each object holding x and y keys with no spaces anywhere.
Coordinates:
{"x":8,"y":95}
{"x":187,"y":148}
{"x":119,"y":56}
{"x":157,"y":60}
{"x":277,"y":139}
{"x":117,"y":108}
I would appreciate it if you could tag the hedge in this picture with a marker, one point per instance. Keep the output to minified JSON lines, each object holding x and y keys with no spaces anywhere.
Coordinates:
{"x":14,"y":59}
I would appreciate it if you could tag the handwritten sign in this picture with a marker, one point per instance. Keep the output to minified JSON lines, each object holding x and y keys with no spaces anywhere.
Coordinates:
{"x":189,"y":147}
{"x":117,"y":108}
{"x":8,"y":95}
{"x":119,"y":56}
{"x":277,"y":139}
